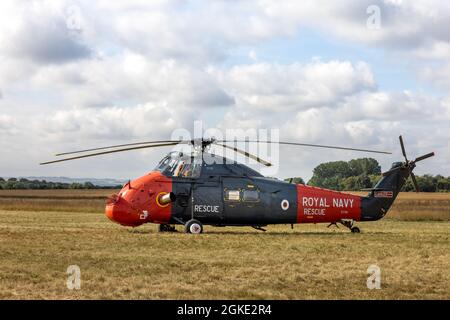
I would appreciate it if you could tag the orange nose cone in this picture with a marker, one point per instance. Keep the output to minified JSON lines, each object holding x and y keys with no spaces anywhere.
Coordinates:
{"x":109,"y":212}
{"x":120,"y":212}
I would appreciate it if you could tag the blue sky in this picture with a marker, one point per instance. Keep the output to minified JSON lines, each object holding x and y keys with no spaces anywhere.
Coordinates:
{"x":391,"y":72}
{"x":76,"y":74}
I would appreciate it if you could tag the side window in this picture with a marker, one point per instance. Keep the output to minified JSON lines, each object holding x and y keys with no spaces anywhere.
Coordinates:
{"x":232,"y":195}
{"x":250,"y":195}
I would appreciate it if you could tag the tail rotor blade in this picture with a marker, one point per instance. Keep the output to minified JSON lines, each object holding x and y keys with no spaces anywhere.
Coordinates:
{"x":416,"y":185}
{"x":428,"y":155}
{"x":403,"y":147}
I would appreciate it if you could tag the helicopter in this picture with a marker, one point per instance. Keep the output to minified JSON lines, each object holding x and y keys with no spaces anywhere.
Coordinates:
{"x":201,"y":188}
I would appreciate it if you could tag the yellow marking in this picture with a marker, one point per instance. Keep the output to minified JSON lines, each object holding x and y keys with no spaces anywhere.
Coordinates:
{"x":157,"y":200}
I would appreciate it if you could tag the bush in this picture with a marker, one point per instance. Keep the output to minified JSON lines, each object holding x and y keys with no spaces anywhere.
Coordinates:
{"x":296,"y":180}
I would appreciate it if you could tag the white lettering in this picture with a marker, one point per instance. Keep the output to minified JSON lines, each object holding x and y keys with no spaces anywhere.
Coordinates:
{"x":315,"y":202}
{"x":351,"y":203}
{"x":206,"y":208}
{"x":313,"y":212}
{"x":187,"y":310}
{"x":305,"y":201}
{"x":143,"y":215}
{"x":343,"y":203}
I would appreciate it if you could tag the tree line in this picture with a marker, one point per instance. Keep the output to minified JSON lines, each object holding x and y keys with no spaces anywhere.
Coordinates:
{"x":358,"y":174}
{"x":352,"y":175}
{"x":22,"y":183}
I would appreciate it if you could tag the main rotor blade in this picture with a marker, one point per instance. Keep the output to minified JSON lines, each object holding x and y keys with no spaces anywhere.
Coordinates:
{"x":245,"y":153}
{"x":308,"y":145}
{"x":116,"y":146}
{"x":416,"y":185}
{"x":403,"y":147}
{"x":111,"y":151}
{"x":428,"y":155}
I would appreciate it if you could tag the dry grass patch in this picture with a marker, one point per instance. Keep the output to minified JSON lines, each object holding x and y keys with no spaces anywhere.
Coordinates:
{"x":409,"y":206}
{"x":309,"y":262}
{"x":42,"y":232}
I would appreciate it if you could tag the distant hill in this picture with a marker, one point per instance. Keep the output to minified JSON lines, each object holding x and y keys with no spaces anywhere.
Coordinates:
{"x":106,"y":182}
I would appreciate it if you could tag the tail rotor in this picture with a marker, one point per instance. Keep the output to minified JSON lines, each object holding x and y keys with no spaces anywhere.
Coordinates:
{"x":410,"y":165}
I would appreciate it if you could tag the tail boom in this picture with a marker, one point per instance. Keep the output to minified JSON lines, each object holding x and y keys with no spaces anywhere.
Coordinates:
{"x":317,"y":205}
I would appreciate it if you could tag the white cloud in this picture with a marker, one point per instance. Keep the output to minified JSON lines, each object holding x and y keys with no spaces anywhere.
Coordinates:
{"x":410,"y":30}
{"x":130,"y":78}
{"x":354,"y":114}
{"x":205,"y":31}
{"x":282,"y":88}
{"x":403,"y":25}
{"x":116,"y":123}
{"x":439,"y":76}
{"x":138,"y":70}
{"x":37,"y":31}
{"x":7,"y":125}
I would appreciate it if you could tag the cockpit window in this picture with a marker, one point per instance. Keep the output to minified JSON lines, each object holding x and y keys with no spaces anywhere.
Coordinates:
{"x":177,"y":165}
{"x":179,"y":168}
{"x":191,"y":169}
{"x":167,"y":164}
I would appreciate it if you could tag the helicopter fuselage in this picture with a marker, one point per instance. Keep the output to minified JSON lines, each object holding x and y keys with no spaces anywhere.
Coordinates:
{"x":237,"y":196}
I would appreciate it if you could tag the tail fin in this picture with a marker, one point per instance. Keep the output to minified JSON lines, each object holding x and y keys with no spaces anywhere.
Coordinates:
{"x":383,"y":195}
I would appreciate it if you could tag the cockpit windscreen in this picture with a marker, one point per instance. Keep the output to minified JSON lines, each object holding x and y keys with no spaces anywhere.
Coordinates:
{"x":175,"y":164}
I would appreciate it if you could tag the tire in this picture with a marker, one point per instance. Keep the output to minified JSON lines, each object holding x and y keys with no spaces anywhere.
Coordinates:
{"x":193,"y":226}
{"x":355,"y":230}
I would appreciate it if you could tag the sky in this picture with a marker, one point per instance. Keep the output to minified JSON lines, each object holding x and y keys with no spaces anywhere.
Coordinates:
{"x":81,"y":74}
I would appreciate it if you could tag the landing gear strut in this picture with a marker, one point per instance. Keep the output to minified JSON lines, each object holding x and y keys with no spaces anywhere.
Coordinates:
{"x":349,"y":224}
{"x":259,"y":228}
{"x":166,"y":228}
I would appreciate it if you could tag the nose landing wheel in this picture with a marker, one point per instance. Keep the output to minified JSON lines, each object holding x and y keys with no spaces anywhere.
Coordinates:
{"x":193,"y":226}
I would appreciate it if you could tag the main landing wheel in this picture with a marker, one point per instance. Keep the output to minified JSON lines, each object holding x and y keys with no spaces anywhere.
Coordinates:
{"x":355,"y":230}
{"x":193,"y":226}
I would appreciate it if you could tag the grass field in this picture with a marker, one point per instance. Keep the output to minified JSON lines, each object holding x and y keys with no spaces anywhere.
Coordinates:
{"x":43,"y":232}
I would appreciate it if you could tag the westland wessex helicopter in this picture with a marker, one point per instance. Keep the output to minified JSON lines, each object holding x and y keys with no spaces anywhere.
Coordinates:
{"x":201,"y":188}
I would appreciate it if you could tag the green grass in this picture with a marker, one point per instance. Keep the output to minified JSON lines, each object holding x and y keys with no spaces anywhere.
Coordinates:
{"x":309,"y":262}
